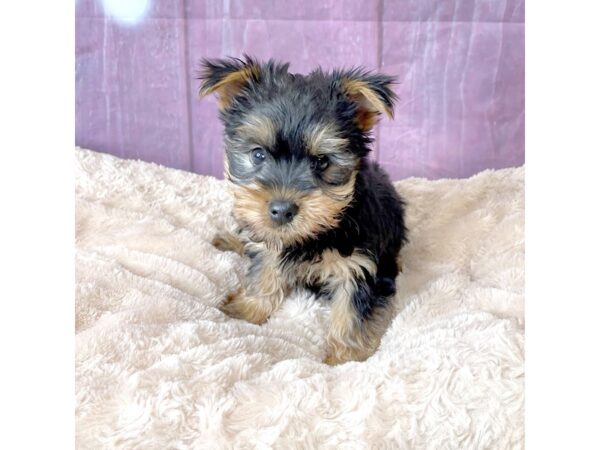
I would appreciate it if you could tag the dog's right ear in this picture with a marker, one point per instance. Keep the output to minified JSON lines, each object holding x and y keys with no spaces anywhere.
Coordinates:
{"x":227,"y":77}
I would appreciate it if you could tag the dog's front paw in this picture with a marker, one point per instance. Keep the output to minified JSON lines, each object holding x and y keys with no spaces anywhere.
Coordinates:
{"x":332,"y":360}
{"x":340,"y":353}
{"x":336,"y":358}
{"x":228,"y":242}
{"x":239,"y":306}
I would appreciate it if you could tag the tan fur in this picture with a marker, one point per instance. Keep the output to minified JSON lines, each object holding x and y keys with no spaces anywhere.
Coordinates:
{"x":366,"y":119}
{"x":369,"y":104}
{"x":263,"y":293}
{"x":259,"y":130}
{"x":231,"y":85}
{"x":349,"y":338}
{"x":324,"y":140}
{"x":318,"y":211}
{"x":250,"y":204}
{"x":228,"y":242}
{"x":344,"y":337}
{"x":335,"y":269}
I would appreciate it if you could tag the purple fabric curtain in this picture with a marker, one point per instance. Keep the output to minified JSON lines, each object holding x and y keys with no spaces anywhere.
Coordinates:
{"x":459,"y":64}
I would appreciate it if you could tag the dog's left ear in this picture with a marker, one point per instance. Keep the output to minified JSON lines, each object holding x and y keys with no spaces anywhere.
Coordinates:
{"x":227,"y":77}
{"x":371,"y":93}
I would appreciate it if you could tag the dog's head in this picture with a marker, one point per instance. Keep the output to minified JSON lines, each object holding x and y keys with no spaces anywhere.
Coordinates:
{"x":294,"y":143}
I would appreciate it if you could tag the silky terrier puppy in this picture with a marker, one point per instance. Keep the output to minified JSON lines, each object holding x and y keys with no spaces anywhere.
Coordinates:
{"x":313,"y":210}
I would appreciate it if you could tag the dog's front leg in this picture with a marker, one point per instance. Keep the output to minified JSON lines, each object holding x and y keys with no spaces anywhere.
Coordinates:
{"x":229,"y":242}
{"x":264,"y":290}
{"x":358,"y":319}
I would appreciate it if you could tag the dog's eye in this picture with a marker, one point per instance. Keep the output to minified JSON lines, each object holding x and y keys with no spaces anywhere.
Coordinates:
{"x":258,"y":155}
{"x":319,"y":163}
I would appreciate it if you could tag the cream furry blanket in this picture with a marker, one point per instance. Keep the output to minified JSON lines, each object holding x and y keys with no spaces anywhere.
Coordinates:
{"x":158,"y":366}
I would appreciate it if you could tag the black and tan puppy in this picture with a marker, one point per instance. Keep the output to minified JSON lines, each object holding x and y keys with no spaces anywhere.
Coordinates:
{"x":314,"y":212}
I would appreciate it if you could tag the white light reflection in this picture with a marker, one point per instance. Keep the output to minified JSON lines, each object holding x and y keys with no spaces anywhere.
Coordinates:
{"x":126,"y":11}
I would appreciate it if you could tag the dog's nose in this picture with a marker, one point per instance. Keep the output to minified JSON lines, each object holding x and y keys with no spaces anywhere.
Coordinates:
{"x":282,"y":211}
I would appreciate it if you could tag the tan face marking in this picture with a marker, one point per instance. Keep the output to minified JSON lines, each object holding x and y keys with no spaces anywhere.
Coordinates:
{"x":324,"y":140}
{"x":317,"y":211}
{"x":258,"y":130}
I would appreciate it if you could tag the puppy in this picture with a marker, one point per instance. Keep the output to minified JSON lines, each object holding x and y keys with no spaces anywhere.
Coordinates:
{"x":313,"y":211}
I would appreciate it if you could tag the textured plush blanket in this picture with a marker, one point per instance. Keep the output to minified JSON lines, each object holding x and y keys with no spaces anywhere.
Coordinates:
{"x":158,"y":366}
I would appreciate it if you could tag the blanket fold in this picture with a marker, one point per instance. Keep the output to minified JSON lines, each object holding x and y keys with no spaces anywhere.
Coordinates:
{"x":158,"y":366}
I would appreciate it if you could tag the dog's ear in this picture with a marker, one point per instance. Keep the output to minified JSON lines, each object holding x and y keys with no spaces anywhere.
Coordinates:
{"x":227,"y":77}
{"x":371,"y":93}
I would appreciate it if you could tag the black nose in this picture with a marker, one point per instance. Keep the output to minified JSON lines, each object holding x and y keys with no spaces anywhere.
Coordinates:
{"x":282,"y":212}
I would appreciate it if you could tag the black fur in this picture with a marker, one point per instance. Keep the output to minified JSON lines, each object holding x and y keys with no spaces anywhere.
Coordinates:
{"x":373,"y":223}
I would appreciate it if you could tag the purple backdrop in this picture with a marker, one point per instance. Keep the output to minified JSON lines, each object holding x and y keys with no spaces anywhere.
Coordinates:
{"x":460,"y":65}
